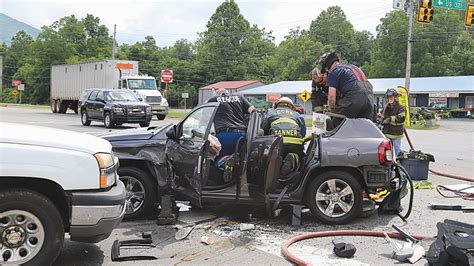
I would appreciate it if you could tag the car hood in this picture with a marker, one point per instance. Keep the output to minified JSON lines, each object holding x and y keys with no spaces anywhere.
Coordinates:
{"x":52,"y":137}
{"x":138,"y":134}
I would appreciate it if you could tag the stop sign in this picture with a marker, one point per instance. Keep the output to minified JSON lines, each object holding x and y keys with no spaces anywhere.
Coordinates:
{"x":167,"y":76}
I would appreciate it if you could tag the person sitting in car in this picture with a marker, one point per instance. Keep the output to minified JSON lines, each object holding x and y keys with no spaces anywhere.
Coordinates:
{"x":286,"y":122}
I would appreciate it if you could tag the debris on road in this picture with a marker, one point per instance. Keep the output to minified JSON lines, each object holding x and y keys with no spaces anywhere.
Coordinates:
{"x":208,"y":240}
{"x":246,"y":227}
{"x":343,"y":249}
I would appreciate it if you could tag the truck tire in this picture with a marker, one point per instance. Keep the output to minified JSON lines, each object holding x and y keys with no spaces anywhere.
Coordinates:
{"x":108,"y":120}
{"x":63,"y":105}
{"x":144,"y":124}
{"x":161,"y":117}
{"x":85,"y":118}
{"x":141,"y":192}
{"x":335,"y":197}
{"x":58,"y":105}
{"x":30,"y":220}
{"x":53,"y":106}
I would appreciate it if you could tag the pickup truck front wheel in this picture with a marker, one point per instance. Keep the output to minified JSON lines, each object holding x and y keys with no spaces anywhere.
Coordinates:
{"x":140,"y":192}
{"x":335,"y":197}
{"x":31,"y":228}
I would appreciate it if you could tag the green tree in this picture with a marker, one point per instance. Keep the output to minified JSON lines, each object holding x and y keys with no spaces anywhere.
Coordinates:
{"x":16,"y":55}
{"x":230,"y":48}
{"x":332,"y":28}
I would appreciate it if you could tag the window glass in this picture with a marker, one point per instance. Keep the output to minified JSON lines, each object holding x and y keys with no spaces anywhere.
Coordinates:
{"x":124,"y":84}
{"x":142,"y":84}
{"x":195,"y":125}
{"x":93,"y":96}
{"x":121,"y":95}
{"x":100,"y":96}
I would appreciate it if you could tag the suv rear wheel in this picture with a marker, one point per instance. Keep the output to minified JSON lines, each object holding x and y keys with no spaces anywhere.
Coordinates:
{"x":335,"y":197}
{"x":141,"y":192}
{"x":31,"y":228}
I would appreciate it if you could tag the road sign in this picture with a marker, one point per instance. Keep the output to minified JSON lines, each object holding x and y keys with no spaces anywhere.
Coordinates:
{"x":273,"y":97}
{"x":305,"y":96}
{"x":21,"y":87}
{"x":184,"y":95}
{"x":167,"y":76}
{"x":16,"y":83}
{"x":15,"y":92}
{"x":398,"y":4}
{"x":451,"y":4}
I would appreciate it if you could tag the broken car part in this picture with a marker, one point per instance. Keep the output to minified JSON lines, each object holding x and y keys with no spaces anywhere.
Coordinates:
{"x":115,"y":252}
{"x":185,"y":231}
{"x":453,"y":245}
{"x":343,"y":249}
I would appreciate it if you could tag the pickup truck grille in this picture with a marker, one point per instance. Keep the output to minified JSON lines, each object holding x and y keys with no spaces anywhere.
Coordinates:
{"x":153,"y":99}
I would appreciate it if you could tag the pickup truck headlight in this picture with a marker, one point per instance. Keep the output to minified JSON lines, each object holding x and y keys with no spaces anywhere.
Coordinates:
{"x":148,"y":109}
{"x":117,"y":109}
{"x":108,"y":168}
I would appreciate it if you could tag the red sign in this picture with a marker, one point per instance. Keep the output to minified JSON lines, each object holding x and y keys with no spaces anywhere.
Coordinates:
{"x":273,"y":97}
{"x":16,"y":83}
{"x":167,"y":76}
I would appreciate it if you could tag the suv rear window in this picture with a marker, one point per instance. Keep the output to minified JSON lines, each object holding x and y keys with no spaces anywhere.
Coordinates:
{"x":84,"y":95}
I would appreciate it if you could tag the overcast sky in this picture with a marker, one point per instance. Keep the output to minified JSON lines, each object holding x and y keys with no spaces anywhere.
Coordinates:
{"x":168,"y":21}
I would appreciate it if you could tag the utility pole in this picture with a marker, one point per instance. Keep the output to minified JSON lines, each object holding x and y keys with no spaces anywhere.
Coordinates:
{"x":410,"y":6}
{"x":113,"y":42}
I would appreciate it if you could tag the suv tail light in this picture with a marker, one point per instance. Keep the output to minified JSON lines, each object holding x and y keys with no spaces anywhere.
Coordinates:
{"x":385,"y":152}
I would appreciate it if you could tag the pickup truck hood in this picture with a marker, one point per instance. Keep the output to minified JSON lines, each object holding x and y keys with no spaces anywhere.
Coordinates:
{"x":138,"y":134}
{"x":52,"y":137}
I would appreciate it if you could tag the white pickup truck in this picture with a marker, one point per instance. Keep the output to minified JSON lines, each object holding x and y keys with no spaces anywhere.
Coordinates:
{"x":54,"y":182}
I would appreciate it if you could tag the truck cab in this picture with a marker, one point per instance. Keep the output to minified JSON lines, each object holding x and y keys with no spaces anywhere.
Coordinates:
{"x":54,"y":182}
{"x":145,"y":88}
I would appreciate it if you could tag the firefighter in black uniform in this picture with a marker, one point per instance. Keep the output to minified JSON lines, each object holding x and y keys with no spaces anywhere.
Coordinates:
{"x":348,"y":82}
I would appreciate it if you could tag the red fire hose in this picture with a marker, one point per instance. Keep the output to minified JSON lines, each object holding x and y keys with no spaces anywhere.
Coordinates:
{"x":291,"y":257}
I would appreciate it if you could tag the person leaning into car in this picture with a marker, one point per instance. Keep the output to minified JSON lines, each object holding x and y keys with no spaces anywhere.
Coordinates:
{"x":230,"y":120}
{"x":349,"y":82}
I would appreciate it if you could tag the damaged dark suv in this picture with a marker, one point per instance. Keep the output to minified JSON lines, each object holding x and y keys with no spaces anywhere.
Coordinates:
{"x":338,"y":170}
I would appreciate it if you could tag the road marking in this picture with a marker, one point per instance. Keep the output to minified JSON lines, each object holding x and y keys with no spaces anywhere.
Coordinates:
{"x":41,"y":122}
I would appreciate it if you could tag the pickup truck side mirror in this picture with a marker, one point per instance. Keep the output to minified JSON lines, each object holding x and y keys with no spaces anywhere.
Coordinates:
{"x":140,"y":99}
{"x":171,"y":133}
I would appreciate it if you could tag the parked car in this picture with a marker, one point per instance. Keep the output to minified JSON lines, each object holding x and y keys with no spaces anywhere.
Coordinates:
{"x":114,"y":107}
{"x":54,"y":182}
{"x":338,"y":168}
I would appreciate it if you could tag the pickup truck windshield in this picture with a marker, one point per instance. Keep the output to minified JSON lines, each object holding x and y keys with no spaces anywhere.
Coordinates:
{"x":142,"y":84}
{"x":120,"y":96}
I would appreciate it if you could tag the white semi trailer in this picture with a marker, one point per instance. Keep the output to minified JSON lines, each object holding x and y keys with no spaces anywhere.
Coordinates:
{"x":70,"y":80}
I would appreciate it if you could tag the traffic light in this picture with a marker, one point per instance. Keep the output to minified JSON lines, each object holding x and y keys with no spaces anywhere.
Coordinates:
{"x":425,"y":11}
{"x":469,"y":19}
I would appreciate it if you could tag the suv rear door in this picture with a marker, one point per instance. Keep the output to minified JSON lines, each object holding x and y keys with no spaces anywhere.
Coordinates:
{"x":89,"y":105}
{"x":187,"y":152}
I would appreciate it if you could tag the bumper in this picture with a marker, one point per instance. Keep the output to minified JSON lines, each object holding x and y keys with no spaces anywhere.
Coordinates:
{"x":96,"y":214}
{"x":159,"y":110}
{"x":121,"y":118}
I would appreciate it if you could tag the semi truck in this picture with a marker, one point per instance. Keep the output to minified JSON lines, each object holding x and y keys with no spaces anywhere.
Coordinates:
{"x":68,"y":81}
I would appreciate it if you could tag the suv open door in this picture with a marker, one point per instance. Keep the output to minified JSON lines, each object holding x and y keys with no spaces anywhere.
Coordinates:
{"x":187,"y":152}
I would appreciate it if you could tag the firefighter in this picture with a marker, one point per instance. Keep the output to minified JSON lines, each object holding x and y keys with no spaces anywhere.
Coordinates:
{"x":393,"y":123}
{"x":350,"y":84}
{"x":319,"y":91}
{"x":286,"y":122}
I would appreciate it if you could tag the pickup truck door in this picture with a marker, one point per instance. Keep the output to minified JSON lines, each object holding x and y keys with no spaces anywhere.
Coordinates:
{"x":187,"y":153}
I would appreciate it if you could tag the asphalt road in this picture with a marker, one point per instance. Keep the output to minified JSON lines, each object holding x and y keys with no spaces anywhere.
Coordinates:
{"x":452,"y":145}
